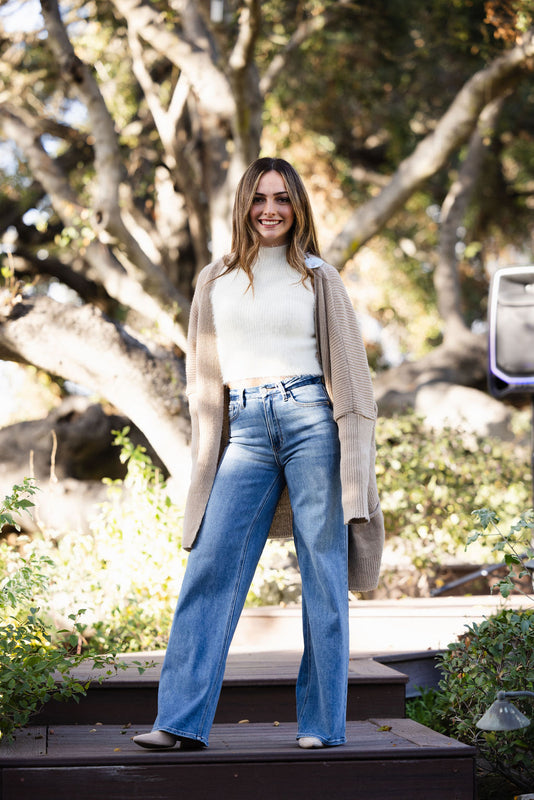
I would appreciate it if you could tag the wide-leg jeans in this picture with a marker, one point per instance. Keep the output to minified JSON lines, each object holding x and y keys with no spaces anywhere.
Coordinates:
{"x":279,"y":433}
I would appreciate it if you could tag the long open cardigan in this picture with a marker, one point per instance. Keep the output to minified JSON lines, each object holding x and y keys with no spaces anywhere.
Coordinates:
{"x":348,"y":382}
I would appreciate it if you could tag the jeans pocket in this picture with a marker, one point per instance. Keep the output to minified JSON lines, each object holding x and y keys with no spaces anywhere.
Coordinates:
{"x":310,"y":394}
{"x":234,"y":409}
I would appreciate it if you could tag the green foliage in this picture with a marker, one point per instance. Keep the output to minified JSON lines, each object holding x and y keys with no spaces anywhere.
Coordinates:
{"x":131,"y":565}
{"x":514,"y":547}
{"x":19,"y":501}
{"x":33,"y":667}
{"x":128,"y":571}
{"x":430,"y":480}
{"x":495,"y":655}
{"x":423,"y":709}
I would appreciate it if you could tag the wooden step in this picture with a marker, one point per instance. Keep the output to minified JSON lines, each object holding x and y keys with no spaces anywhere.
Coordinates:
{"x":259,"y":687}
{"x":397,"y":759}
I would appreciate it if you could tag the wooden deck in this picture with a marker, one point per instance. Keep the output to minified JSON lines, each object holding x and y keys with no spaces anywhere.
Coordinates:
{"x":397,"y":759}
{"x":256,"y":686}
{"x":85,"y":751}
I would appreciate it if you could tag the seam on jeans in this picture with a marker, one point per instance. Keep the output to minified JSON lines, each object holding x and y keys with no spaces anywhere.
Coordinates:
{"x":307,"y":654}
{"x":232,"y":609}
{"x":272,"y":417}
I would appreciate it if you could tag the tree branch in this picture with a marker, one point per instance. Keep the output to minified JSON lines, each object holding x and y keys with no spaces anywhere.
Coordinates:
{"x":44,"y":168}
{"x":208,"y":82}
{"x":249,"y":27}
{"x":108,"y":162}
{"x":152,"y":294}
{"x":26,"y":263}
{"x":80,"y":77}
{"x":433,"y":151}
{"x":305,"y":29}
{"x":453,"y":210}
{"x":79,"y":344}
{"x":248,"y":99}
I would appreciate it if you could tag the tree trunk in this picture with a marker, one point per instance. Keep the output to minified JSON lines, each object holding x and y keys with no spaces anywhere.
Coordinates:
{"x":453,"y":210}
{"x":81,"y":345}
{"x":462,"y":360}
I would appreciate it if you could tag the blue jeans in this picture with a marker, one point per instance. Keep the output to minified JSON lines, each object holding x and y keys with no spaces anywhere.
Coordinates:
{"x":280,"y":433}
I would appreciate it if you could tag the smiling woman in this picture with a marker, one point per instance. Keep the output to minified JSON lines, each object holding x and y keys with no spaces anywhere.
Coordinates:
{"x":279,"y":388}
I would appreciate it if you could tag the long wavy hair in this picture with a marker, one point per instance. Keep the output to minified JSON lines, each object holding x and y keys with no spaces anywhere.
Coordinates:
{"x":246,"y":241}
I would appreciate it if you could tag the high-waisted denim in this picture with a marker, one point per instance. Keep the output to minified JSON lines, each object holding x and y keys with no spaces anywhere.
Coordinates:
{"x":279,"y":433}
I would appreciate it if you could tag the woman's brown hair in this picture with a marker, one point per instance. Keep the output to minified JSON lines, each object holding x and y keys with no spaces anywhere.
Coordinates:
{"x":246,"y":241}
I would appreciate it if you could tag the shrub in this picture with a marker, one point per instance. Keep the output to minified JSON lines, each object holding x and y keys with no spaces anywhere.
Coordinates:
{"x":127,"y":572}
{"x":514,"y":548}
{"x":497,"y":654}
{"x":425,"y":709}
{"x":33,"y":667}
{"x":429,"y":481}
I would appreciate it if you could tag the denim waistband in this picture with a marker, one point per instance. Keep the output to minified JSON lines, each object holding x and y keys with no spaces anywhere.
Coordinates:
{"x":280,"y":386}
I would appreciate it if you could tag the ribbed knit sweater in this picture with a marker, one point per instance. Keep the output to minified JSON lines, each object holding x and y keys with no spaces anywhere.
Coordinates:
{"x":348,"y":383}
{"x":267,"y":329}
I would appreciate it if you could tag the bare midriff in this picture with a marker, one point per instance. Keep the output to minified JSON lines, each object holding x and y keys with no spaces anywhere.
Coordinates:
{"x":250,"y":383}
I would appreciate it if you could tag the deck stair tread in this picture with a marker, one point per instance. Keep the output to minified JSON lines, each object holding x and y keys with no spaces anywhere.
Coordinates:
{"x":255,"y":686}
{"x":253,"y":750}
{"x":243,"y":668}
{"x":66,"y":745}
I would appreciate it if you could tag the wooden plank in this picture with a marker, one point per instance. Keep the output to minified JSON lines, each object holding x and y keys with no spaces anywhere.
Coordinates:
{"x":397,"y":759}
{"x":255,"y":686}
{"x":29,"y":743}
{"x":412,"y":731}
{"x":367,"y":780}
{"x":237,"y":701}
{"x":112,"y":744}
{"x":368,"y":670}
{"x":257,"y":668}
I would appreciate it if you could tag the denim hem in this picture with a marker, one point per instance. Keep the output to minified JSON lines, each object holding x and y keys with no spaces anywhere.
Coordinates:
{"x":326,"y":742}
{"x":183,"y":734}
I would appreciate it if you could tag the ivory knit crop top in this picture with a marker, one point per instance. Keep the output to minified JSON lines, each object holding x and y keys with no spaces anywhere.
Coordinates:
{"x":269,"y":331}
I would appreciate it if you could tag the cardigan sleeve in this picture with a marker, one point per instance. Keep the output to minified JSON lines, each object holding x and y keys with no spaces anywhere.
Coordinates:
{"x":191,"y":365}
{"x":352,"y":388}
{"x":356,"y":435}
{"x":352,"y":397}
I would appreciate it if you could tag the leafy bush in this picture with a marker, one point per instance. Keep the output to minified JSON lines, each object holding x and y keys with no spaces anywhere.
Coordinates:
{"x":425,"y":709}
{"x":34,"y":668}
{"x":429,"y":482}
{"x":128,"y":571}
{"x":514,"y":548}
{"x":495,"y":655}
{"x":19,"y":501}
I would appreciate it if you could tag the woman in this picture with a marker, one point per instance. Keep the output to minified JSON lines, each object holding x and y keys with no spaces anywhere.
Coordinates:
{"x":283,"y":417}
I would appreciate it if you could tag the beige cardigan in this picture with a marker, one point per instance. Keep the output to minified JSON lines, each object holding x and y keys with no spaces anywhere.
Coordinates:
{"x":348,"y":382}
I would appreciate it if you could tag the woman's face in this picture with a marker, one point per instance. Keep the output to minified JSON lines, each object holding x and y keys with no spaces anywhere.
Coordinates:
{"x":271,"y":213}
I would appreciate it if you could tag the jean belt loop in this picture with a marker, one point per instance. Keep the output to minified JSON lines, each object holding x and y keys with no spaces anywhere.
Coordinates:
{"x":283,"y":391}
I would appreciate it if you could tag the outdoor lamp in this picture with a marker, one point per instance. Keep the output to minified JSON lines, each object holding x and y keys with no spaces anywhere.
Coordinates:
{"x":503,"y":715}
